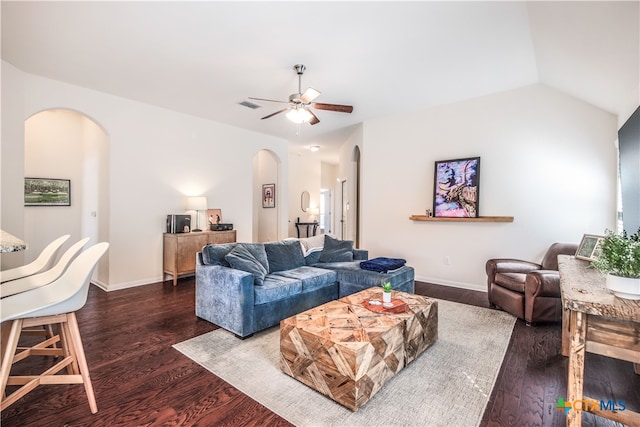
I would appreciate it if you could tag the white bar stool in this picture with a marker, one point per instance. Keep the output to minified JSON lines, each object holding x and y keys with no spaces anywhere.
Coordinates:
{"x":36,"y":280}
{"x":44,"y":262}
{"x":55,"y":303}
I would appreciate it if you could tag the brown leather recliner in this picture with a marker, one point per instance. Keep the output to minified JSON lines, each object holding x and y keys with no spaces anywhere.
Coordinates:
{"x":528,"y":290}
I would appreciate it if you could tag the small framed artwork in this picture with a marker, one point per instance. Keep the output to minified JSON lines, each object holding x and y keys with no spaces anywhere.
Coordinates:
{"x":214,"y":216}
{"x":589,"y":246}
{"x":457,"y":188}
{"x":268,"y":195}
{"x":47,"y":192}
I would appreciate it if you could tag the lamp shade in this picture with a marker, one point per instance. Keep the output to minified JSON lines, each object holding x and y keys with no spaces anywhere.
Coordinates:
{"x":197,"y":203}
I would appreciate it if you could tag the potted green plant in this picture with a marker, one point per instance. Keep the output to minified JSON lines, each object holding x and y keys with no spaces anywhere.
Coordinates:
{"x":386,"y":293}
{"x":619,"y":257}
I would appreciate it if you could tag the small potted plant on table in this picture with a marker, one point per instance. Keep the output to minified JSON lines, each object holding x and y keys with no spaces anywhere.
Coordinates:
{"x":619,"y":257}
{"x":386,"y":293}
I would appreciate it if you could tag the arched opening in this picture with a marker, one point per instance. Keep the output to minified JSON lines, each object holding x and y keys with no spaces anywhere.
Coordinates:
{"x":267,"y":196}
{"x":66,"y":144}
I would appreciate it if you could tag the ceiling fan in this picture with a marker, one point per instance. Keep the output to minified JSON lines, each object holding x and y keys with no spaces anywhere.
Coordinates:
{"x":300,"y":104}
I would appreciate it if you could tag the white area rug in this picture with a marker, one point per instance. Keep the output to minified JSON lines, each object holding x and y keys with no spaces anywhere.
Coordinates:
{"x":448,"y":385}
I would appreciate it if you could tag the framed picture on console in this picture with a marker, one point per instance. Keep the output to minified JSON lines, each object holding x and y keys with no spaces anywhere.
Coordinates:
{"x":214,"y":216}
{"x":268,"y":195}
{"x":47,"y":192}
{"x":457,"y":187}
{"x":588,"y":248}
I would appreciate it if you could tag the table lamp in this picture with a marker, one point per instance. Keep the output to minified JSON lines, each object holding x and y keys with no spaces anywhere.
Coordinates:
{"x":197,"y":204}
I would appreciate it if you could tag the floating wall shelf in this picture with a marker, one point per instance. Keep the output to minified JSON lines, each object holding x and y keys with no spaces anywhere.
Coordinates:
{"x":477,"y":219}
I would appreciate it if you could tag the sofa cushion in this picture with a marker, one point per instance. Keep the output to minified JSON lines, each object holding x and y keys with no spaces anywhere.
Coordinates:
{"x":257,"y":250}
{"x":214,"y":254}
{"x":312,"y":278}
{"x":336,"y":250}
{"x":241,"y":258}
{"x":313,"y":242}
{"x":284,"y":255}
{"x":513,"y":281}
{"x":312,"y":258}
{"x":276,"y":288}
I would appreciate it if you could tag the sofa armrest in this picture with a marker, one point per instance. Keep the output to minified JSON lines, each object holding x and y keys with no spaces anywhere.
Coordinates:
{"x":360,"y":254}
{"x":542,"y":283}
{"x":225,"y":297}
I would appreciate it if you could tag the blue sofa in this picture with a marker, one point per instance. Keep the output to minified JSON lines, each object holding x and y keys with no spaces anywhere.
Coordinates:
{"x":248,"y":287}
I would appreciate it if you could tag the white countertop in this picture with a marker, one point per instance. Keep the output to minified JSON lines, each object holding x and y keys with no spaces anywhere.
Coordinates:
{"x":10,"y":243}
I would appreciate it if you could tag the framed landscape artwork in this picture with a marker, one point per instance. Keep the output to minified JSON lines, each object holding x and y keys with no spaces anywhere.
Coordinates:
{"x":47,"y":192}
{"x":268,"y":195}
{"x":457,"y":188}
{"x":588,"y":249}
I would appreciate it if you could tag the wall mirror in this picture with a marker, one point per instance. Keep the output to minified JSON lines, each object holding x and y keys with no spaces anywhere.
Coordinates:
{"x":304,"y":201}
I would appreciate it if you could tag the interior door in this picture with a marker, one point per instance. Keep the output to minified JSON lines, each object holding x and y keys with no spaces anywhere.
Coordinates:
{"x":344,"y":211}
{"x":326,"y":216}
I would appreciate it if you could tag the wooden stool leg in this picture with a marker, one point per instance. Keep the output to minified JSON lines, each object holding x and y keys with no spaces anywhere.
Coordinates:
{"x":67,"y":348}
{"x":82,"y":361}
{"x":10,"y":336}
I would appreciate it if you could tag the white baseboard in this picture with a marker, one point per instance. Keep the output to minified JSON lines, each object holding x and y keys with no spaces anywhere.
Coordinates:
{"x":125,"y":285}
{"x":462,"y":285}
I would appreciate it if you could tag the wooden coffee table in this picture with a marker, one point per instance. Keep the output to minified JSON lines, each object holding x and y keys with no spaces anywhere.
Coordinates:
{"x":347,"y":351}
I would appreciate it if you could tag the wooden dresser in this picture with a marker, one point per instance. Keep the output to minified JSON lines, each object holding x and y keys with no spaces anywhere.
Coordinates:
{"x":179,"y":250}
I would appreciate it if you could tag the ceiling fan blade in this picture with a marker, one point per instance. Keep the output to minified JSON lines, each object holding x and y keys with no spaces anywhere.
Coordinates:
{"x":313,"y":119}
{"x":269,"y":100}
{"x":309,"y":95}
{"x":333,"y":107}
{"x":273,"y":114}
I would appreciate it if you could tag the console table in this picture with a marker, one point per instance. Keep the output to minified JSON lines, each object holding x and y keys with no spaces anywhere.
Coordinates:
{"x":595,"y":320}
{"x":180,"y":249}
{"x":307,"y":224}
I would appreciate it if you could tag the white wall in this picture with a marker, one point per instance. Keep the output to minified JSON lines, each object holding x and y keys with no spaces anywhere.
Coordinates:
{"x":266,"y":172}
{"x":347,"y":171}
{"x":12,"y":161}
{"x":158,"y":157}
{"x":304,"y":175}
{"x":547,"y":159}
{"x":54,"y":148}
{"x":66,"y":145}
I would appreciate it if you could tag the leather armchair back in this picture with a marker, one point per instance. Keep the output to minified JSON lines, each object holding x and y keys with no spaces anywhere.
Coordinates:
{"x":550,"y":260}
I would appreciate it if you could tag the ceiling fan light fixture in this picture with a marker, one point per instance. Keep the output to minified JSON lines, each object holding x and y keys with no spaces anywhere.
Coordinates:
{"x":299,"y":115}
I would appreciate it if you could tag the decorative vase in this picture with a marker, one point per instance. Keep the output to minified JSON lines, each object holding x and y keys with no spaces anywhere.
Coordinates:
{"x":386,"y":297}
{"x":624,"y":287}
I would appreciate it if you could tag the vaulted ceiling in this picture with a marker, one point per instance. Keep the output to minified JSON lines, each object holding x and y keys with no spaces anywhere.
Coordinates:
{"x":204,"y":58}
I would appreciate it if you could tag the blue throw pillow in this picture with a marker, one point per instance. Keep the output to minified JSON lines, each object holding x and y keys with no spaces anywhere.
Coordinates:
{"x":336,"y":250}
{"x":258,"y":252}
{"x":214,"y":254}
{"x":285,"y":255}
{"x":241,"y":259}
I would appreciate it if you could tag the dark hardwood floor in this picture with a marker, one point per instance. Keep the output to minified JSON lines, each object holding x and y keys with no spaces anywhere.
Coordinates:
{"x":140,"y":380}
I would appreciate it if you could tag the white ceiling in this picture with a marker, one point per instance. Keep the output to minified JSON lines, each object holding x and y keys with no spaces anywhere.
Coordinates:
{"x":203,"y":58}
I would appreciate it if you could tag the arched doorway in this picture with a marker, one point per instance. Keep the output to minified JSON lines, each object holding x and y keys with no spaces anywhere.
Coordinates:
{"x":66,"y":144}
{"x":267,"y":196}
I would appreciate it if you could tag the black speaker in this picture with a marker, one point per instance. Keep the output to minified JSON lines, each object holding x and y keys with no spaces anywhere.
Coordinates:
{"x":221,"y":227}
